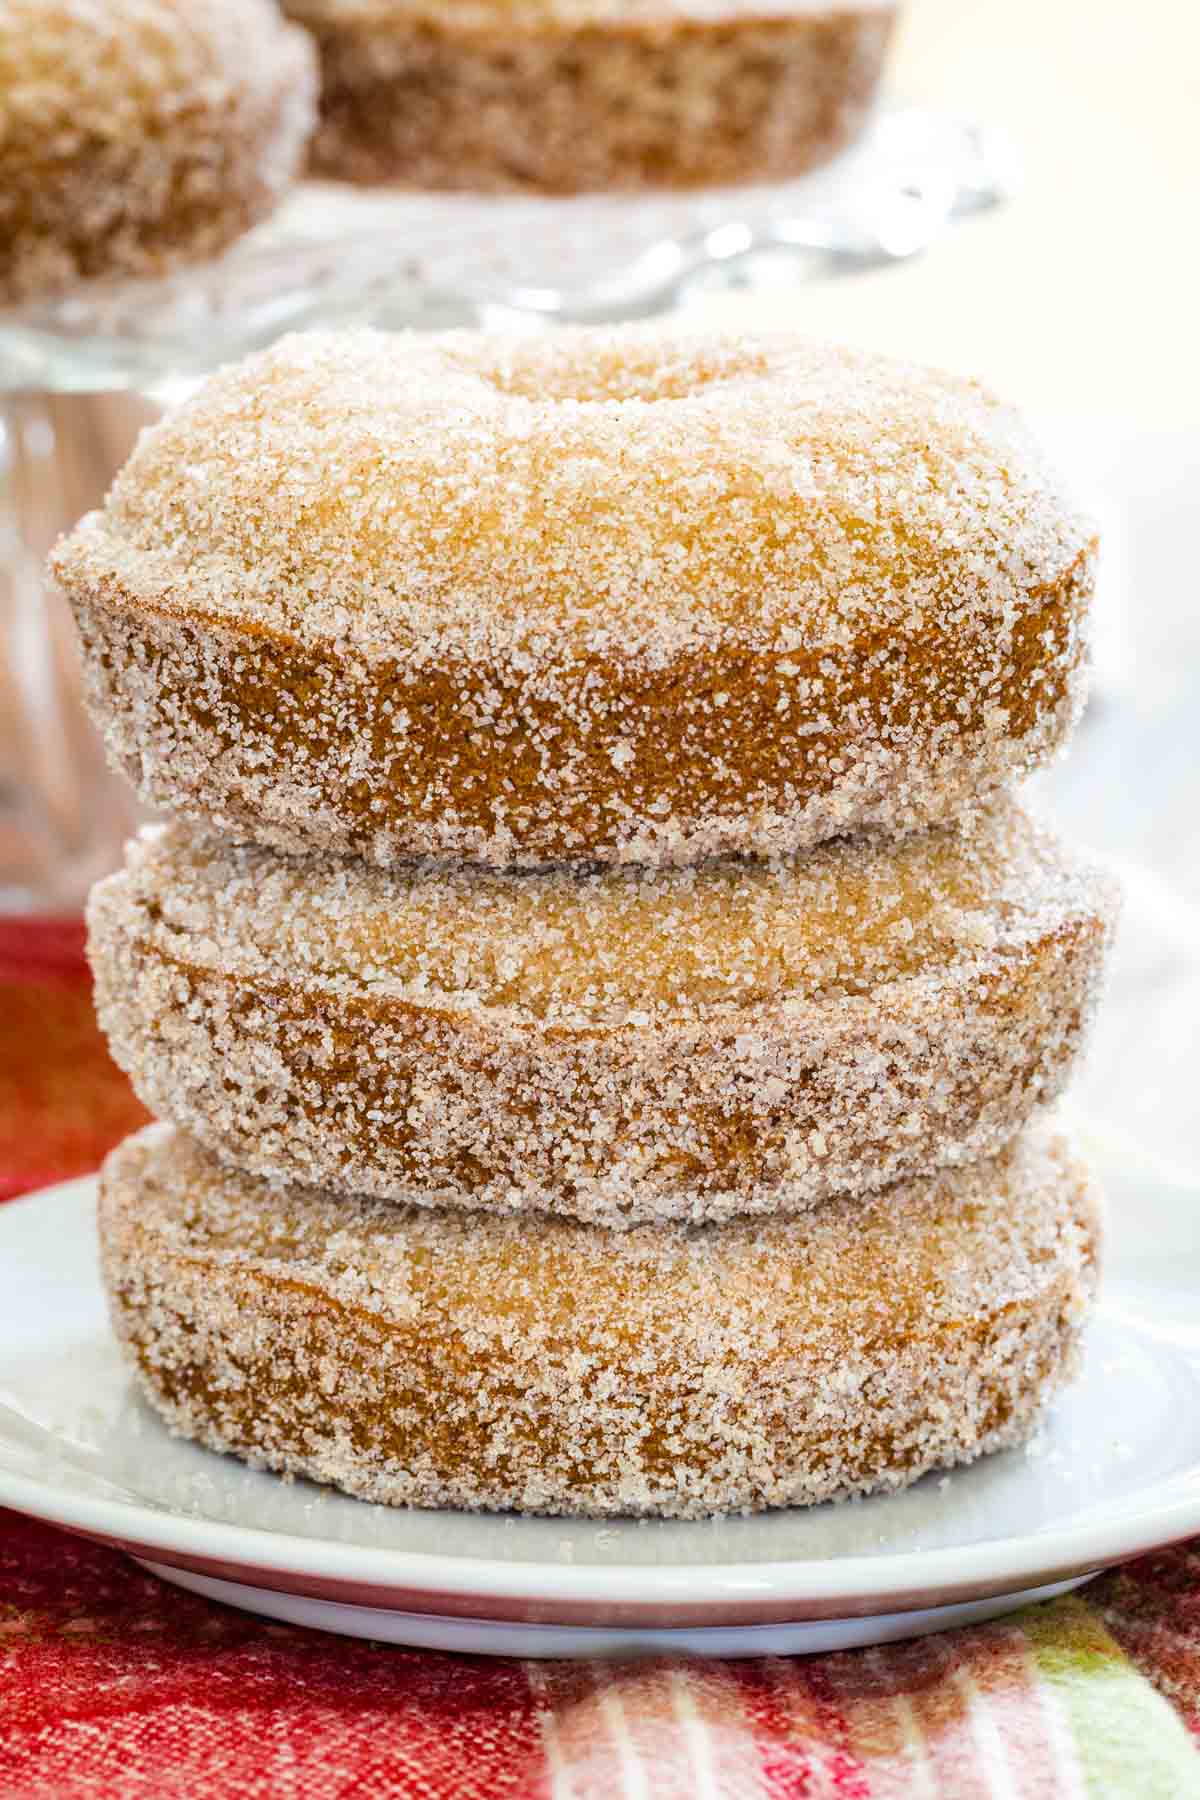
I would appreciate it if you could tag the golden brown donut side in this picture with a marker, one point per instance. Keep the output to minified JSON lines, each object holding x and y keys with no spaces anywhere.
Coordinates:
{"x":768,"y":1110}
{"x":429,"y":1358}
{"x":179,"y":182}
{"x":731,"y":747}
{"x":568,"y":105}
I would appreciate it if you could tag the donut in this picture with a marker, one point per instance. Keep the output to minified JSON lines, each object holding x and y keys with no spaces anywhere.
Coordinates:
{"x":558,"y":96}
{"x":622,"y":595}
{"x":139,"y":134}
{"x":613,"y":1044}
{"x":440,"y":1358}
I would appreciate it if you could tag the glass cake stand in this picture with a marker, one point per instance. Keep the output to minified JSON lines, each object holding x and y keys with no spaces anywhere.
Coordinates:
{"x":332,"y":256}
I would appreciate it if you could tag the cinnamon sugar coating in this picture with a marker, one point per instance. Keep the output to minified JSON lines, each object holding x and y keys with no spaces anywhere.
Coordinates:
{"x":560,"y":96}
{"x":617,"y":1045}
{"x":139,"y":134}
{"x":441,"y":1358}
{"x":627,"y":594}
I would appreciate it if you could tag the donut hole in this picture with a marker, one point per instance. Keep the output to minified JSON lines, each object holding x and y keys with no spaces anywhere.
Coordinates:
{"x":623,"y":372}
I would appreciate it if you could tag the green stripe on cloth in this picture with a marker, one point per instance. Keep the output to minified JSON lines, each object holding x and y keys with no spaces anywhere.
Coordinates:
{"x":1129,"y":1742}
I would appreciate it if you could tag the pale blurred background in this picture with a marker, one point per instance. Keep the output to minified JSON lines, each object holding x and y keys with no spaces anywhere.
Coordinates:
{"x":1081,"y":296}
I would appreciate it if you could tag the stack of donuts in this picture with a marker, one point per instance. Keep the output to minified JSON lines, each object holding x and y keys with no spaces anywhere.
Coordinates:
{"x":598,"y":979}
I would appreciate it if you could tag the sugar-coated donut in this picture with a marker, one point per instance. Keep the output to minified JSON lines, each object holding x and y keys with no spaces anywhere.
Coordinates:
{"x":441,"y":1358}
{"x":625,"y":594}
{"x":138,"y":134}
{"x":555,"y":96}
{"x":616,"y":1045}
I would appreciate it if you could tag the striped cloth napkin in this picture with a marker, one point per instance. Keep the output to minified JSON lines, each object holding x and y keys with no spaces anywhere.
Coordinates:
{"x":112,"y":1685}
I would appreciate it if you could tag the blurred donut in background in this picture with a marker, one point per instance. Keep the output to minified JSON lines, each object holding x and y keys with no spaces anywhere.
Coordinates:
{"x":563,"y":96}
{"x":139,"y":134}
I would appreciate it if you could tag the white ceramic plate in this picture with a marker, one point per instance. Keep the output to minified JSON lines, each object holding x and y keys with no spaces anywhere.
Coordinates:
{"x":1115,"y":1472}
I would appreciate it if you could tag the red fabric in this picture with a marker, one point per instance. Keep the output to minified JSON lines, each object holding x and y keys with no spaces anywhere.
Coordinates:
{"x":113,"y":1684}
{"x":63,"y":1103}
{"x":1152,"y":1608}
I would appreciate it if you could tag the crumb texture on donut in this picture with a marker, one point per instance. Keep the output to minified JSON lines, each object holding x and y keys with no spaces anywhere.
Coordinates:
{"x":447,"y":1359}
{"x":564,"y":96}
{"x":640,"y":486}
{"x":613,"y":1044}
{"x":138,"y":134}
{"x":626,"y":594}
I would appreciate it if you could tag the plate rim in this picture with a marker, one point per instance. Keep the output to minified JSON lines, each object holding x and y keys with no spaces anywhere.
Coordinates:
{"x":897,"y":1581}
